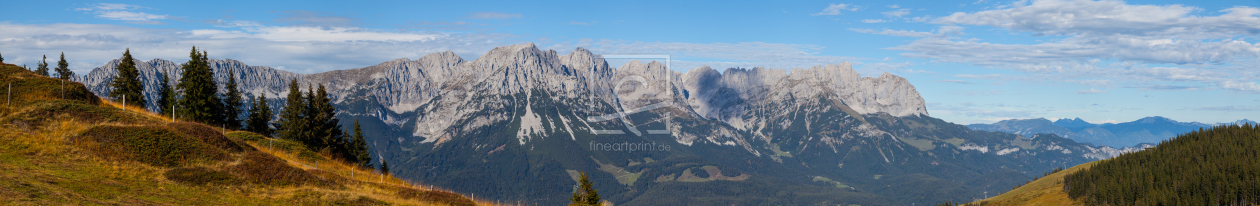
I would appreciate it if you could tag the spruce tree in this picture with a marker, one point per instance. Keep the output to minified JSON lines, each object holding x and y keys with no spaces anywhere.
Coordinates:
{"x":63,"y":68}
{"x":359,"y":148}
{"x":127,"y":82}
{"x":259,"y":117}
{"x":384,"y":167}
{"x":166,"y":96}
{"x":200,"y":99}
{"x":232,"y":102}
{"x":325,"y":127}
{"x":1,"y":58}
{"x":42,"y":68}
{"x":292,"y":119}
{"x":586,"y":196}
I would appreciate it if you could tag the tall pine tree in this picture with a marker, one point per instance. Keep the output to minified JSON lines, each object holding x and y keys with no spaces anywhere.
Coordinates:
{"x":325,"y":127}
{"x":166,"y":95}
{"x":42,"y":68}
{"x":292,"y":120}
{"x":200,"y":99}
{"x":63,"y":68}
{"x":232,"y":102}
{"x":127,"y":85}
{"x":259,"y":117}
{"x":359,"y":148}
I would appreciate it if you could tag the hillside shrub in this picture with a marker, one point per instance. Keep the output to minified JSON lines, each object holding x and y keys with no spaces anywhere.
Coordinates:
{"x":153,"y":145}
{"x":435,"y":196}
{"x":209,"y":135}
{"x":201,"y":176}
{"x":262,"y":168}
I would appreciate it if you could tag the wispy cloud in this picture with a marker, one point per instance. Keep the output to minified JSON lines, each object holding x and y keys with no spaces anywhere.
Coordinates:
{"x":890,"y":32}
{"x":122,"y":12}
{"x":1232,"y":108}
{"x":1109,"y":39}
{"x":314,"y":18}
{"x":1091,"y":91}
{"x":896,"y":13}
{"x":871,"y":21}
{"x":494,"y":15}
{"x":582,"y":23}
{"x":688,"y":56}
{"x":955,"y":81}
{"x":835,"y":9}
{"x":297,"y":49}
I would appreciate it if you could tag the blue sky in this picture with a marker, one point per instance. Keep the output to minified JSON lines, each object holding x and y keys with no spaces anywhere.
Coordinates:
{"x":972,"y":61}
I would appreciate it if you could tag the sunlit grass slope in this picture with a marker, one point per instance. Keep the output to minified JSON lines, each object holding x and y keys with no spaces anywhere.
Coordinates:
{"x":1046,"y":190}
{"x":84,"y":150}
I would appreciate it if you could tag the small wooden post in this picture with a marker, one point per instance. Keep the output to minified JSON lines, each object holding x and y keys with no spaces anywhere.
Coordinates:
{"x":9,"y":101}
{"x":124,"y":102}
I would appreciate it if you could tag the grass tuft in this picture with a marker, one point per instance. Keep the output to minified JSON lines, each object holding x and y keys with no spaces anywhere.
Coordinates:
{"x":201,"y":176}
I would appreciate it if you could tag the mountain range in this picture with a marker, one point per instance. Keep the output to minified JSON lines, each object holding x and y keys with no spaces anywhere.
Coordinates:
{"x":520,"y":124}
{"x":1138,"y":133}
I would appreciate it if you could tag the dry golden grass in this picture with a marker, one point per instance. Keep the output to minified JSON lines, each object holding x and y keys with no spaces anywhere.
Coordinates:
{"x":43,"y":161}
{"x":1047,"y":190}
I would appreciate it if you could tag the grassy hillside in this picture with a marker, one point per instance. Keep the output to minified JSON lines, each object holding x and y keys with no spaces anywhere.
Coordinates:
{"x":83,"y":150}
{"x":1046,"y":190}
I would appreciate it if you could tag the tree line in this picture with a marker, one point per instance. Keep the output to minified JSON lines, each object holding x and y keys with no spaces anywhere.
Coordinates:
{"x":63,"y":67}
{"x":307,"y":117}
{"x":1218,"y":166}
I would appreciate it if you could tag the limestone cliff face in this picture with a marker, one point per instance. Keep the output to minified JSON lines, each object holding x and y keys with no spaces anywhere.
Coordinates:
{"x":436,"y":92}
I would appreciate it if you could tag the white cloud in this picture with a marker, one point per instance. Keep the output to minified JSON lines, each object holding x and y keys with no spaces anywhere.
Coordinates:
{"x":325,"y":34}
{"x":894,"y":6}
{"x":871,"y":21}
{"x":1091,"y":91}
{"x":298,"y":49}
{"x":1240,"y":86}
{"x":314,"y":18}
{"x":1063,"y":17}
{"x":121,"y":12}
{"x":494,"y":15}
{"x":891,"y":32}
{"x":1108,"y":39}
{"x":834,"y":9}
{"x":896,"y":13}
{"x":718,"y":55}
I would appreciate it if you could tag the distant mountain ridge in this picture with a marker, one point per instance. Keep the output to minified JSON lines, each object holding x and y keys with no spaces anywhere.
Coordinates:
{"x":1149,"y":130}
{"x":532,"y":116}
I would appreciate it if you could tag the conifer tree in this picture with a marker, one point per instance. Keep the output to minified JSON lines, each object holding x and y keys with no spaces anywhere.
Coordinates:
{"x":232,"y":102}
{"x":384,"y":167}
{"x":259,"y":117}
{"x":42,"y":68}
{"x":325,"y":127}
{"x":586,"y":196}
{"x":127,"y":82}
{"x":1,"y":58}
{"x":63,"y":68}
{"x":292,"y":119}
{"x":358,"y":147}
{"x":200,"y":99}
{"x":166,"y":96}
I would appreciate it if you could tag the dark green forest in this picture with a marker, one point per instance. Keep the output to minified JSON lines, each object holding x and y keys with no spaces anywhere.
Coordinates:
{"x":1220,"y":166}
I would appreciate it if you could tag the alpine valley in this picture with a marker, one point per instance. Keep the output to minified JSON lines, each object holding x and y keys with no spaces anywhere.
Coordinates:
{"x":518,"y":124}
